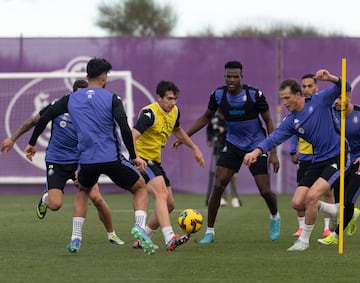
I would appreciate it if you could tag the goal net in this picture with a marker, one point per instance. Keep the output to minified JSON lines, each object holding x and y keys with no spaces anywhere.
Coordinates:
{"x":25,"y":94}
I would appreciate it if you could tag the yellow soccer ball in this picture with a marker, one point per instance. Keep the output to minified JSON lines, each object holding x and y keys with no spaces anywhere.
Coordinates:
{"x":190,"y":221}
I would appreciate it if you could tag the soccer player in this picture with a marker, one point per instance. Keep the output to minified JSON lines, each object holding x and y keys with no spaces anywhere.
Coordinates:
{"x":303,"y":158}
{"x":61,"y":164}
{"x":352,"y":180}
{"x":241,"y":106}
{"x":313,"y":122}
{"x":156,"y":122}
{"x":96,"y":112}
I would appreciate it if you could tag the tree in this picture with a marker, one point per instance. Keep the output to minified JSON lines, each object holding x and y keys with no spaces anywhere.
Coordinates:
{"x":279,"y":30}
{"x":137,"y":18}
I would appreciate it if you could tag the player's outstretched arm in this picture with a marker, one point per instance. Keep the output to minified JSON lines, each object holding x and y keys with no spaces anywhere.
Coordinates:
{"x":200,"y":123}
{"x":181,"y":135}
{"x":8,"y":143}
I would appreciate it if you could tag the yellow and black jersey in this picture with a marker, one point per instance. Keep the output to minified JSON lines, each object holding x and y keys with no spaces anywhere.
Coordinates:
{"x":156,"y":127}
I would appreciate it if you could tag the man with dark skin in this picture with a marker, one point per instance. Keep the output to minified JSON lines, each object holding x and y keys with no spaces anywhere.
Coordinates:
{"x":242,"y":105}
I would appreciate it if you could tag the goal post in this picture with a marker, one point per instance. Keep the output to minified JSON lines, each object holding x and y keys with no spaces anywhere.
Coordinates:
{"x":24,"y":94}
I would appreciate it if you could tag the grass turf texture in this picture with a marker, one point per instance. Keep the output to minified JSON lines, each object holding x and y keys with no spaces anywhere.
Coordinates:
{"x":34,"y":250}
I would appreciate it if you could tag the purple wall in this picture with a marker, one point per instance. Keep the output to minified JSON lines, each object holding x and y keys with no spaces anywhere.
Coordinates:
{"x":195,"y":64}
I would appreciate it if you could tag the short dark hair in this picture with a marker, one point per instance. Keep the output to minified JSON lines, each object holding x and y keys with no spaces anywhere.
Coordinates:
{"x":293,"y":84}
{"x":80,"y":84}
{"x":233,"y":65}
{"x":164,"y":86}
{"x":97,"y":66}
{"x":309,"y":76}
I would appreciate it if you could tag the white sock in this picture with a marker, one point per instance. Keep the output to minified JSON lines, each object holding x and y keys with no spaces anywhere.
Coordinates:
{"x":44,"y":198}
{"x":77,"y":227}
{"x":306,"y":233}
{"x":140,"y":218}
{"x":110,"y":234}
{"x":326,"y":223}
{"x":276,"y":216}
{"x":149,"y":231}
{"x":168,"y":233}
{"x":210,"y":230}
{"x":301,"y":220}
{"x":330,"y":208}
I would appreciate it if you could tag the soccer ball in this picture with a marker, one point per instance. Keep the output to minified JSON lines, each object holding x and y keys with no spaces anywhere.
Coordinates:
{"x":190,"y":221}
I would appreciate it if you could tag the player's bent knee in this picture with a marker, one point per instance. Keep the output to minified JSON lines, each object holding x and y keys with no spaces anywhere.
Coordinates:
{"x":311,"y":199}
{"x":98,"y":202}
{"x":55,"y":206}
{"x":299,"y":206}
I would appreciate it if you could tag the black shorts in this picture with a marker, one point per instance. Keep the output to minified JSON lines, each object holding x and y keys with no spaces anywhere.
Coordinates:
{"x":328,"y":170}
{"x":154,"y":169}
{"x":232,"y":158}
{"x":303,"y":166}
{"x":58,"y":174}
{"x":351,"y":186}
{"x":121,"y":172}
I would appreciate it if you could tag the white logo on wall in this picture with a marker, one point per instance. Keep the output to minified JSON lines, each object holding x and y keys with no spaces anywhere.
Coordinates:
{"x":42,"y":97}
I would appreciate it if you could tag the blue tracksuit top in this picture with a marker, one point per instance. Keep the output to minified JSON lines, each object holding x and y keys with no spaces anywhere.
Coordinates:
{"x":62,"y":147}
{"x":241,"y":114}
{"x":313,"y":123}
{"x":91,"y":110}
{"x":294,"y":143}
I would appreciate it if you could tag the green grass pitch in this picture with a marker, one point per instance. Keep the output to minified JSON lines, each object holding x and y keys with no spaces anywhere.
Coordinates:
{"x":33,"y":250}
